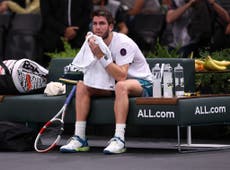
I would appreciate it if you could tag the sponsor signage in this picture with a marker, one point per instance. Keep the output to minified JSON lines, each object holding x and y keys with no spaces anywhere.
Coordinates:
{"x":159,"y":114}
{"x":207,"y":110}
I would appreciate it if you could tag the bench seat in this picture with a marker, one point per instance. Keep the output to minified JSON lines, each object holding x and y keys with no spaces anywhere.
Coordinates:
{"x":40,"y":108}
{"x":181,"y":112}
{"x":30,"y":108}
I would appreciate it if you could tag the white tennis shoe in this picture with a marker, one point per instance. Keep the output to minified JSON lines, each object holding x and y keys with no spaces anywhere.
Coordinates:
{"x":116,"y":145}
{"x":75,"y":144}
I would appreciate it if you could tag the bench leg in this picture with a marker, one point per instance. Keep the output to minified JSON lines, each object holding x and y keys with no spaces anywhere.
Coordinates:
{"x":190,"y":147}
{"x":189,"y":135}
{"x":178,"y":139}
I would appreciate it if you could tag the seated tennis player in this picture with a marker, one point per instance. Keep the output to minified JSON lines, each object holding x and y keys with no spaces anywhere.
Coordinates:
{"x":133,"y":77}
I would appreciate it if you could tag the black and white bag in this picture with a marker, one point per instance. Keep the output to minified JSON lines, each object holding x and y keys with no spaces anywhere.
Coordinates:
{"x":22,"y":76}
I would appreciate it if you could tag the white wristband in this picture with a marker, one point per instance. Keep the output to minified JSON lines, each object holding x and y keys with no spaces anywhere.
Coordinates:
{"x":105,"y":61}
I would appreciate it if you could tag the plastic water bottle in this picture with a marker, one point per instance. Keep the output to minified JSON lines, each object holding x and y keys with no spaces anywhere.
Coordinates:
{"x":179,"y":80}
{"x":168,"y":81}
{"x":156,"y":71}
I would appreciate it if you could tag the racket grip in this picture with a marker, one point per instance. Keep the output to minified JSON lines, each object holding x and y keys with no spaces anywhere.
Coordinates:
{"x":71,"y":94}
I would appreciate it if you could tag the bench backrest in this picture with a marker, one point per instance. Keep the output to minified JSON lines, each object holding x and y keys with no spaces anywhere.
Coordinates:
{"x":57,"y":65}
{"x":56,"y":68}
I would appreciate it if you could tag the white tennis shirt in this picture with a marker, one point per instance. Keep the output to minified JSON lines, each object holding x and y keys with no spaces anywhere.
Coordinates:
{"x":125,"y":51}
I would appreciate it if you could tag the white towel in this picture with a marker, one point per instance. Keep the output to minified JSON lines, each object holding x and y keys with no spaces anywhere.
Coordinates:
{"x":84,"y":57}
{"x":54,"y":89}
{"x":95,"y":74}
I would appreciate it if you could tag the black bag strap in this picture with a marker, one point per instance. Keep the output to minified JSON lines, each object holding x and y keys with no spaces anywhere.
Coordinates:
{"x":5,"y":67}
{"x":7,"y":85}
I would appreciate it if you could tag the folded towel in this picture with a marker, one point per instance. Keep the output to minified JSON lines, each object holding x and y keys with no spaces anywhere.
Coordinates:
{"x":54,"y":89}
{"x":95,"y":74}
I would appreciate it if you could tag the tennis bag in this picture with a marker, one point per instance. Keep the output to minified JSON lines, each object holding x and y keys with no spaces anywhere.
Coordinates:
{"x":16,"y":137}
{"x":22,"y":76}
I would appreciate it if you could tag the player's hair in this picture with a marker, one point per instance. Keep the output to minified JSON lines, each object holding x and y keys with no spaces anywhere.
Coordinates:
{"x":105,"y":13}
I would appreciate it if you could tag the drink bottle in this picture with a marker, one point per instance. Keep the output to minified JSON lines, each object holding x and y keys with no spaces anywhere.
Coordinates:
{"x":179,"y":80}
{"x":156,"y":72}
{"x":167,"y":81}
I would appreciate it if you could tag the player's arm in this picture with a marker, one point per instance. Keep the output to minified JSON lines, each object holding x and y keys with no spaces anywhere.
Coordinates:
{"x":116,"y":71}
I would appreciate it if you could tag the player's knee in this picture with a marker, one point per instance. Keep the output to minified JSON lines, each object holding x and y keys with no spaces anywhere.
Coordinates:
{"x":121,"y":88}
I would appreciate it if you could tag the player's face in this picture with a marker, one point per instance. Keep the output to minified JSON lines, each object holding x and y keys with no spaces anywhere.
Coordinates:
{"x":101,"y":27}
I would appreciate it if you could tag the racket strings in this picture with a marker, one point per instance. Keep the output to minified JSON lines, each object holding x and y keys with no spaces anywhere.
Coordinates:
{"x":50,"y":135}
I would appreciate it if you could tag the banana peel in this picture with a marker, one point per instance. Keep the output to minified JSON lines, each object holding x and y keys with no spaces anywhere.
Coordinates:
{"x":221,"y":63}
{"x":210,"y":64}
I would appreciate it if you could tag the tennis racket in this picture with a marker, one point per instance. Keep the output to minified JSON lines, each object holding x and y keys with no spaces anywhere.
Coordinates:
{"x":50,"y":134}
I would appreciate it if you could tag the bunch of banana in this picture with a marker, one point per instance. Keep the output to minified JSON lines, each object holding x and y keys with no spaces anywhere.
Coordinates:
{"x":215,"y":65}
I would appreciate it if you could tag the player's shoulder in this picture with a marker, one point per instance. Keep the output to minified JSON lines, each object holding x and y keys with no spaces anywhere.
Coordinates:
{"x":122,"y":38}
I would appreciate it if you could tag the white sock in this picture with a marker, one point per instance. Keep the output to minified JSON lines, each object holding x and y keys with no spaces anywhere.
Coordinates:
{"x":120,"y":131}
{"x":80,"y":127}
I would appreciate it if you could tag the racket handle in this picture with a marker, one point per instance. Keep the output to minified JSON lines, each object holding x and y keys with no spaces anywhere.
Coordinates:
{"x":71,"y":94}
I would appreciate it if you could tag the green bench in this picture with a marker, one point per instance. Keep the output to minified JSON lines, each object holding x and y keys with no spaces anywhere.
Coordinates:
{"x":40,"y":108}
{"x":181,"y":112}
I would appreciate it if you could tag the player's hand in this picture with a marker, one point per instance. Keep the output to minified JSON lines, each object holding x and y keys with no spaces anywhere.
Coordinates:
{"x":95,"y":48}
